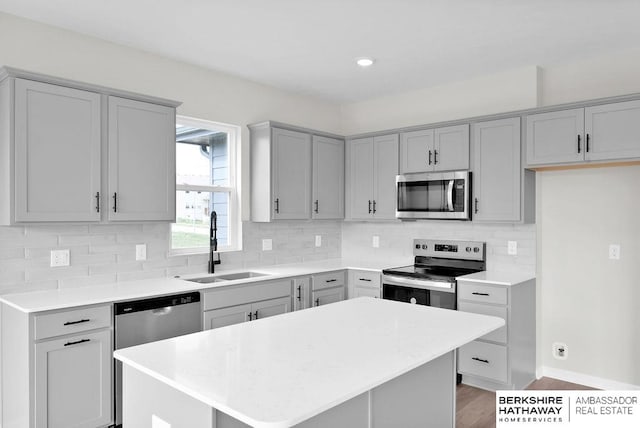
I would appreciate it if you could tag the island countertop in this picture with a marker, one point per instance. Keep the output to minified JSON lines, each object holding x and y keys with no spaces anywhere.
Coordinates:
{"x":279,"y":371}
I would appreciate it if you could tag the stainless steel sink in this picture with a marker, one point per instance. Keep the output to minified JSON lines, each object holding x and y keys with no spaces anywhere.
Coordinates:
{"x":227,"y":277}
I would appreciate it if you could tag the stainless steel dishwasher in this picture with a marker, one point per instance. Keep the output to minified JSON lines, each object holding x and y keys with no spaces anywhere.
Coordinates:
{"x":143,"y":321}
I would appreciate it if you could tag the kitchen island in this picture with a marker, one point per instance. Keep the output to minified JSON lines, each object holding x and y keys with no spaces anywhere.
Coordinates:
{"x":354,"y":363}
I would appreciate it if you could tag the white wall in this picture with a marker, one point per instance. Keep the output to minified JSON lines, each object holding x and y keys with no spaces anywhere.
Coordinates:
{"x":587,"y":301}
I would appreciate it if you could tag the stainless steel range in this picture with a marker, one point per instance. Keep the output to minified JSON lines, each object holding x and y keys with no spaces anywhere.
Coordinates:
{"x":431,"y":280}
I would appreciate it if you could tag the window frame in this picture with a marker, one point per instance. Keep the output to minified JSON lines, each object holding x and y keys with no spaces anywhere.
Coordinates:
{"x":234,"y":235}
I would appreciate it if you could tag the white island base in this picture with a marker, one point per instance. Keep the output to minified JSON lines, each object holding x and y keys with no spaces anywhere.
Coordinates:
{"x":423,"y":397}
{"x":358,"y":363}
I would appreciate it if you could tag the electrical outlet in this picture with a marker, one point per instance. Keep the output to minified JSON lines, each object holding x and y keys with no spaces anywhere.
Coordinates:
{"x":267,"y":245}
{"x":512,"y":248}
{"x":318,"y":240}
{"x":376,"y":241}
{"x":560,"y":351}
{"x":59,"y":258}
{"x":141,"y":252}
{"x":614,"y":251}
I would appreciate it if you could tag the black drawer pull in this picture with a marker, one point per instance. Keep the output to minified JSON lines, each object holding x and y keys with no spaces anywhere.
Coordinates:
{"x":299,"y":293}
{"x":76,"y":322}
{"x":255,"y":315}
{"x":250,"y":316}
{"x":364,"y":279}
{"x":318,"y":302}
{"x":479,"y":294}
{"x":331,"y":280}
{"x":77,"y":342}
{"x":480,"y":359}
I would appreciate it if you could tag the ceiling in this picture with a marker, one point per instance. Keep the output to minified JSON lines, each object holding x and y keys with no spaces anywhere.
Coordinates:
{"x":310,"y":46}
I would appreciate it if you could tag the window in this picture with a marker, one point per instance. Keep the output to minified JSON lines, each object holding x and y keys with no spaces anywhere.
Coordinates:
{"x":206,"y":181}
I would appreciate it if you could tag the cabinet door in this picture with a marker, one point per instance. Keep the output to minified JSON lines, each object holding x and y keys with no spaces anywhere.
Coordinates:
{"x":301,"y":289}
{"x":142,"y":161}
{"x":366,"y":292}
{"x":613,"y":131}
{"x":329,"y":295}
{"x":73,"y":381}
{"x":226,"y":316}
{"x":328,"y":178}
{"x":269,"y":308}
{"x":497,"y":171}
{"x":291,"y":161}
{"x":555,"y":137}
{"x":385,"y":171}
{"x":360,"y":173}
{"x":451,"y":148}
{"x":57,"y":153}
{"x":416,"y":151}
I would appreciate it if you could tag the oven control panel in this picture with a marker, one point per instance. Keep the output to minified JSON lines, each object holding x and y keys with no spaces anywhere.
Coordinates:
{"x":468,"y":250}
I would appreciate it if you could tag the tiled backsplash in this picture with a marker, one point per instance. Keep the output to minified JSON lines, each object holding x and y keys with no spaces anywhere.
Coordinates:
{"x":105,"y":253}
{"x":396,"y":241}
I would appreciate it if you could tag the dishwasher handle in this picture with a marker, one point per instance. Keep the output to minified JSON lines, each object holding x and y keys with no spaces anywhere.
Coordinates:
{"x":162,"y":311}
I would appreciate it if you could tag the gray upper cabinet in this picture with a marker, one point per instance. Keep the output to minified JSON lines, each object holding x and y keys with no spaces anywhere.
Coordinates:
{"x":372,"y":168}
{"x":613,"y":131}
{"x":598,"y":133}
{"x":67,"y":148}
{"x":555,"y":137}
{"x":280,"y":173}
{"x":496,"y":171}
{"x":328,"y":178}
{"x":440,"y":149}
{"x":142,"y":161}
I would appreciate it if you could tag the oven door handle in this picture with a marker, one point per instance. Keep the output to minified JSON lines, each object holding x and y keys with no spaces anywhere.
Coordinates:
{"x":424,"y":284}
{"x":450,"y":195}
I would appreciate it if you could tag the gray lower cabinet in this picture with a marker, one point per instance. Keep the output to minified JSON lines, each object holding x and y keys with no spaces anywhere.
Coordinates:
{"x":328,"y":178}
{"x":497,"y":174}
{"x":233,"y":305}
{"x":364,"y":283}
{"x":328,"y":287}
{"x":57,"y":368}
{"x":372,"y":166}
{"x":597,"y":133}
{"x":504,"y":358}
{"x":142,"y":161}
{"x":439,"y":149}
{"x":301,"y":293}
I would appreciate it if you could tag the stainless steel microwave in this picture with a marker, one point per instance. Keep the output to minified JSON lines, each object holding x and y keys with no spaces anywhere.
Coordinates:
{"x":434,"y":195}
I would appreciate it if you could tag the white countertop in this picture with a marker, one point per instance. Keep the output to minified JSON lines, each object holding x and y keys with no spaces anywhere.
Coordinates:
{"x":501,"y":278}
{"x":39,"y":301}
{"x":277,"y":372}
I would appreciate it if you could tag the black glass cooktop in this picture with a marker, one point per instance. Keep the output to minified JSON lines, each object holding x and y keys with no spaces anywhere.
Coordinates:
{"x":435,"y":273}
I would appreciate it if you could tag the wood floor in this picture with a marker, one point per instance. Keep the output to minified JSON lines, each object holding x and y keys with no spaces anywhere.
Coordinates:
{"x":476,"y":408}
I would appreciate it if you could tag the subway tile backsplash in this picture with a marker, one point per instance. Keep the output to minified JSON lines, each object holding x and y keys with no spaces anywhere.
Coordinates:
{"x":105,"y":253}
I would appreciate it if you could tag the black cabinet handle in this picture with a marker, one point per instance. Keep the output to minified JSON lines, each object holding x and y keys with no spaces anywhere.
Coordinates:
{"x":98,"y":202}
{"x":299,"y":293}
{"x":435,"y":157}
{"x":369,"y":207}
{"x":364,"y":279}
{"x":250,"y":316}
{"x":429,"y":157}
{"x":587,"y":148}
{"x":479,"y":294}
{"x":277,"y":206}
{"x":77,"y":342}
{"x":255,"y":315}
{"x":330,"y":280}
{"x":476,"y":207}
{"x":317,"y":207}
{"x":374,"y":206}
{"x":579,"y":143}
{"x":480,"y":359}
{"x":76,"y":322}
{"x":115,"y":202}
{"x":318,"y":301}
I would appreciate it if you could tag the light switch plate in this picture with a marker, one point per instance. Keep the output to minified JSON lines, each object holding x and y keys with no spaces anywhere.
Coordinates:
{"x":512,"y":248}
{"x":318,"y":240}
{"x":141,"y":252}
{"x":376,"y":241}
{"x":267,"y":245}
{"x":59,"y":258}
{"x":614,"y":251}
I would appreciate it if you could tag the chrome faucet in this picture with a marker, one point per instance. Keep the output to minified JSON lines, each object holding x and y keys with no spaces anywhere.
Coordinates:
{"x":213,"y":242}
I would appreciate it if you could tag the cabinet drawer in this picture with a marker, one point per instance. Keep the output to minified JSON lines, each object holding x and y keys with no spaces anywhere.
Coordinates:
{"x":482,"y":293}
{"x":484,"y":359}
{"x":328,"y":280}
{"x":362,"y":278}
{"x":78,"y":320}
{"x":499,"y":335}
{"x":239,"y":295}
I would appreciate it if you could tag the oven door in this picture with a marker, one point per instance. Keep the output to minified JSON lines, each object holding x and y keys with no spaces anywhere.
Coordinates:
{"x":444,"y":195}
{"x":419,"y":292}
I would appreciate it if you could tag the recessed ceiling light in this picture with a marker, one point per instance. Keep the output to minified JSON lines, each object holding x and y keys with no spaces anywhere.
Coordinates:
{"x":365,"y":62}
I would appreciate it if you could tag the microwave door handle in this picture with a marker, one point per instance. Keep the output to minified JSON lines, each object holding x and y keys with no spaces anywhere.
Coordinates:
{"x":450,"y":195}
